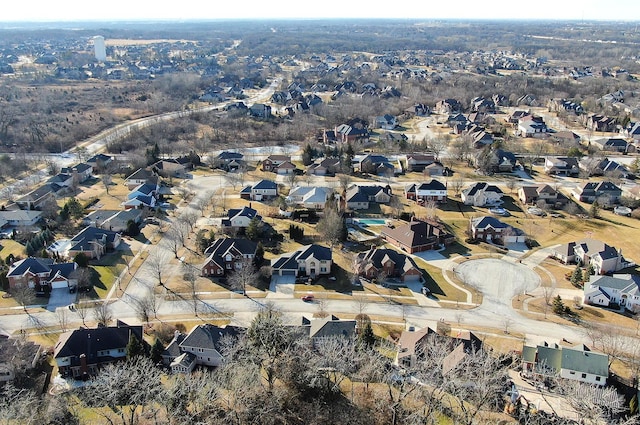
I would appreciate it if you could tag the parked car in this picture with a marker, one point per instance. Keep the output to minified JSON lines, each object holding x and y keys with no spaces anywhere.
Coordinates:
{"x":499,"y":211}
{"x":307,"y":298}
{"x":536,"y":211}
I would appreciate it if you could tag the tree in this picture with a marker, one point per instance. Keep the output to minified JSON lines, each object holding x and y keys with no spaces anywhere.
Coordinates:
{"x":82,"y":308}
{"x":594,"y":211}
{"x":157,"y":263}
{"x":254,"y":229}
{"x":102,"y":314}
{"x":81,"y":260}
{"x":243,"y":275}
{"x":511,"y":184}
{"x":366,"y":337}
{"x":62,"y":316}
{"x":106,"y":181}
{"x":156,"y":351}
{"x":576,"y":276}
{"x":330,"y":226}
{"x":23,"y":294}
{"x":396,"y":205}
{"x":19,"y":406}
{"x":456,"y":185}
{"x":558,"y":305}
{"x":134,"y":347}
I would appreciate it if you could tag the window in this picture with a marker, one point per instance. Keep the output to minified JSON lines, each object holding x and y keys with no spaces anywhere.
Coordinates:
{"x":120,"y":350}
{"x":584,"y":375}
{"x":598,"y":378}
{"x":572,"y":372}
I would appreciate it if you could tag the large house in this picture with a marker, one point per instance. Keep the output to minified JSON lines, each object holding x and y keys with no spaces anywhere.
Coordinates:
{"x":239,"y":218}
{"x":417,"y":236}
{"x":600,"y":167}
{"x":229,"y":160}
{"x":361,"y":197}
{"x":42,"y":274}
{"x":226,"y":254}
{"x":576,"y":363}
{"x":531,"y":126}
{"x":329,"y":327}
{"x":412,"y":344}
{"x":541,"y":192}
{"x":114,"y":220}
{"x":619,"y":289}
{"x":309,"y":260}
{"x":12,"y":219}
{"x":373,"y":164}
{"x":141,"y":176}
{"x":432,"y":191}
{"x":40,"y":196}
{"x":326,"y":167}
{"x":418,"y":161}
{"x":93,"y":242}
{"x":263,"y":190}
{"x":566,"y":166}
{"x":383,"y":263}
{"x":482,"y":194}
{"x":605,"y":192}
{"x":614,"y":145}
{"x":272,"y":162}
{"x":590,"y":252}
{"x":202,"y":346}
{"x":310,"y":197}
{"x":489,"y":228}
{"x":80,"y":353}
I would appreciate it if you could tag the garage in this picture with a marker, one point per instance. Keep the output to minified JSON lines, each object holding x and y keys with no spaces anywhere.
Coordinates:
{"x":287,"y":272}
{"x":59,"y":284}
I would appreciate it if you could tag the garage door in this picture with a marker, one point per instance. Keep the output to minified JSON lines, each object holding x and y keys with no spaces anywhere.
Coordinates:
{"x":61,"y":284}
{"x":287,"y":273}
{"x":411,"y":278}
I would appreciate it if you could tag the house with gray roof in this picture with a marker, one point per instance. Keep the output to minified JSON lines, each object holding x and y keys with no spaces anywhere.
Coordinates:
{"x":82,"y":352}
{"x":310,"y":260}
{"x":263,"y":190}
{"x":240,"y":217}
{"x":329,"y":327}
{"x":489,"y":228}
{"x":202,"y":347}
{"x":39,"y":196}
{"x":226,"y":255}
{"x":42,"y":274}
{"x":310,"y":197}
{"x":576,"y":363}
{"x":605,"y":192}
{"x":482,"y":194}
{"x":114,"y":220}
{"x":93,"y":242}
{"x":360,"y":197}
{"x":602,"y":257}
{"x":387,"y":263}
{"x":618,"y":289}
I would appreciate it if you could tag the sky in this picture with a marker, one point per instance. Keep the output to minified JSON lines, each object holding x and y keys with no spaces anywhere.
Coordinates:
{"x":126,"y":10}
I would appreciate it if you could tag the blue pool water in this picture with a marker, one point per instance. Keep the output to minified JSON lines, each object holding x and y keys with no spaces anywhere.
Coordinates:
{"x":372,"y":221}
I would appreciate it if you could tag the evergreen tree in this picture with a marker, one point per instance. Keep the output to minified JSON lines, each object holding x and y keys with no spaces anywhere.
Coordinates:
{"x":558,"y":305}
{"x":308,"y":154}
{"x":259,"y":257}
{"x":253,"y":229}
{"x":156,"y":351}
{"x":576,"y":276}
{"x":594,"y":212}
{"x":134,"y":347}
{"x":81,"y":260}
{"x":366,"y":337}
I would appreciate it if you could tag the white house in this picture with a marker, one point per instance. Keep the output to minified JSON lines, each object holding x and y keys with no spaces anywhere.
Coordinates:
{"x":309,"y":260}
{"x":482,"y":194}
{"x":620,"y":289}
{"x":311,"y":197}
{"x":264,"y":189}
{"x":240,"y":217}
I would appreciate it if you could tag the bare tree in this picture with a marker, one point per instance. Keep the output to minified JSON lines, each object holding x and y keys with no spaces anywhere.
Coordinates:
{"x":191,"y":278}
{"x":331,"y":227}
{"x":511,"y":184}
{"x":157,"y":263}
{"x":106,"y":181}
{"x":102,"y":314}
{"x":456,"y":185}
{"x":188,"y":218}
{"x":62,"y":316}
{"x":396,"y":205}
{"x":23,"y":294}
{"x":19,"y":405}
{"x":82,"y":308}
{"x":345,"y":181}
{"x":431,"y":209}
{"x":243,"y":275}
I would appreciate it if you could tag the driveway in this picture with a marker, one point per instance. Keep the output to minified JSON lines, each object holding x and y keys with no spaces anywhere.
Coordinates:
{"x":60,"y":298}
{"x":281,"y":287}
{"x":499,"y":281}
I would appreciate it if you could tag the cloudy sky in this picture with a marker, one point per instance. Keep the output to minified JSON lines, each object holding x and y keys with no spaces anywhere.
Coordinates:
{"x":71,"y":10}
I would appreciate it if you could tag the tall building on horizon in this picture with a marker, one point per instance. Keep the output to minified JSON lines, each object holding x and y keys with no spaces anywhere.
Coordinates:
{"x":99,"y":49}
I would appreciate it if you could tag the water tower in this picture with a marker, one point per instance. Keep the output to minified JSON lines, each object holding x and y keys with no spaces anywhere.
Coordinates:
{"x":98,"y":47}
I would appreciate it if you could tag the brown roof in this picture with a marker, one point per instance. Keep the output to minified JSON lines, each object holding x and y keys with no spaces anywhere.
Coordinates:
{"x":412,"y":234}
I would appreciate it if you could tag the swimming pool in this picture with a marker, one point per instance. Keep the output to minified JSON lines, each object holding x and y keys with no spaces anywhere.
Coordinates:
{"x":372,"y":221}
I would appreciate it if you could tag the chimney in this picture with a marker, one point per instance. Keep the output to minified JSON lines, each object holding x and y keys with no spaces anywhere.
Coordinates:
{"x":84,"y":369}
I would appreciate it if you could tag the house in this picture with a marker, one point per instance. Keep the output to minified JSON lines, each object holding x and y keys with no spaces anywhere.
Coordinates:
{"x":114,"y":220}
{"x":448,"y":106}
{"x":64,"y":180}
{"x":329,"y":327}
{"x":429,"y":191}
{"x":260,"y":110}
{"x":272,"y":162}
{"x":566,"y":166}
{"x":596,"y":122}
{"x":361,"y":197}
{"x":418,"y":161}
{"x":412,"y":344}
{"x":577,"y":363}
{"x":93,"y":242}
{"x":614,"y":145}
{"x":560,"y":105}
{"x":498,"y":161}
{"x":386,"y":122}
{"x":383,"y":263}
{"x":605,"y":192}
{"x":602,"y":167}
{"x":489,"y":229}
{"x":372,"y":164}
{"x":566,"y":136}
{"x":418,"y":110}
{"x":100,"y":162}
{"x":38,"y":197}
{"x":482,"y":194}
{"x":239,"y":218}
{"x":346,"y":133}
{"x":326,"y":167}
{"x":203,"y":346}
{"x":229,"y":160}
{"x":17,"y":355}
{"x":81,"y":172}
{"x":436,"y":169}
{"x":20,"y":218}
{"x":263,"y":190}
{"x":226,"y":254}
{"x":617,"y":290}
{"x":310,"y":260}
{"x":42,"y":274}
{"x":482,"y":104}
{"x":140,"y":177}
{"x":140,"y":201}
{"x":590,"y":252}
{"x":146,"y":189}
{"x":286,"y":168}
{"x":417,"y":236}
{"x":531,"y":126}
{"x":544,"y":192}
{"x":310,"y":197}
{"x":169,"y":168}
{"x":82,"y":352}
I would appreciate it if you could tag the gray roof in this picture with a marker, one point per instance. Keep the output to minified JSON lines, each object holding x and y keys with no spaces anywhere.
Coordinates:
{"x":289,"y":261}
{"x":208,"y":336}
